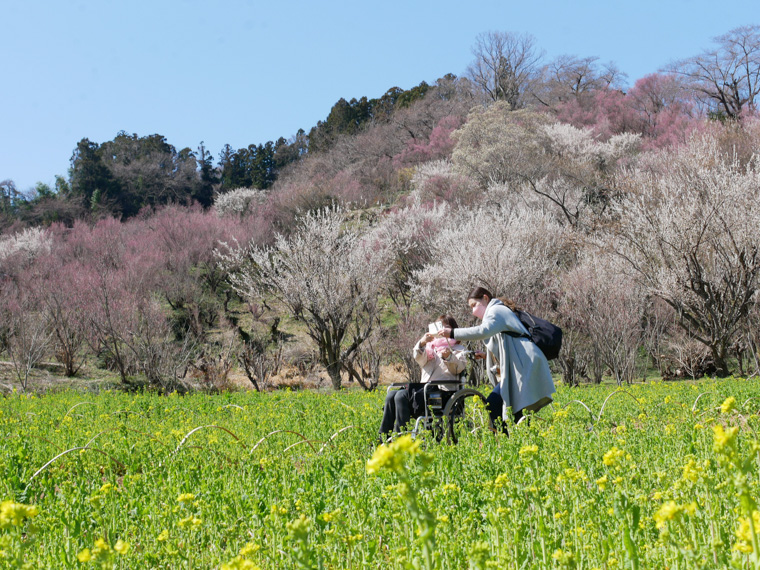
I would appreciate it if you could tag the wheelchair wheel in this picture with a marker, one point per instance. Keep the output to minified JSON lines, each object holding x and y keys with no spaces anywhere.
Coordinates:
{"x":466,"y":413}
{"x":438,"y":428}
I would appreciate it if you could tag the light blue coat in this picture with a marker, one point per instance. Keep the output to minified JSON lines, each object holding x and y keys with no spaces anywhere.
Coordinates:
{"x":524,"y":380}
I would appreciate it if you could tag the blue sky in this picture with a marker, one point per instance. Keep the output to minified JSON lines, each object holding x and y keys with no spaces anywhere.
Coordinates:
{"x":248,"y":71}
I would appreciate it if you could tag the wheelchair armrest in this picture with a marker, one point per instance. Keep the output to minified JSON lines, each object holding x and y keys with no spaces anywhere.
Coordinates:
{"x":444,"y":382}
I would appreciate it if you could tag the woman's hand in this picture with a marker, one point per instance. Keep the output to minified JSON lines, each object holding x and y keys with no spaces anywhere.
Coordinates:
{"x":446,"y":332}
{"x":480,"y":355}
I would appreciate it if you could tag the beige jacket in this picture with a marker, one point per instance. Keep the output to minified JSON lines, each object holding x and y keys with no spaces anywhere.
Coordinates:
{"x":437,"y":368}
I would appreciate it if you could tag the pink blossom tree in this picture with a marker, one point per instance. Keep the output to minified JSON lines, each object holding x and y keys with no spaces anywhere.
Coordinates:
{"x":601,"y":301}
{"x":438,"y":146}
{"x":27,"y":329}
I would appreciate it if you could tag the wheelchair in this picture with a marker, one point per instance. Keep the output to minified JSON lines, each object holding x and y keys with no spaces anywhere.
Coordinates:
{"x":452,"y":410}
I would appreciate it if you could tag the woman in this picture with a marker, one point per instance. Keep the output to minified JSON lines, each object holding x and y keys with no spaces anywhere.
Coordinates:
{"x":440,"y":359}
{"x":515,"y":365}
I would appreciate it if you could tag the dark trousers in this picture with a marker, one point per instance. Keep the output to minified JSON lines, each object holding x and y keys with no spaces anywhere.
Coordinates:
{"x":403,"y":405}
{"x":400,"y":404}
{"x":494,"y":403}
{"x":397,"y":411}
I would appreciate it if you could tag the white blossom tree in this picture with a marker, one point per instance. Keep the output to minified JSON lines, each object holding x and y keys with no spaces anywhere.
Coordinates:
{"x":512,"y":250}
{"x":239,"y":201}
{"x":687,"y":225}
{"x":327,"y":276}
{"x":529,"y":152}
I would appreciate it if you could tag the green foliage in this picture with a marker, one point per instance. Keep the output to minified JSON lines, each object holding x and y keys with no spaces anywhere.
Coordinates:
{"x":251,"y":167}
{"x":351,"y":117}
{"x":126,"y":174}
{"x":659,"y":475}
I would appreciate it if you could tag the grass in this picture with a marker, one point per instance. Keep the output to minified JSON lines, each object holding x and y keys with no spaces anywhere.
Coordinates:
{"x":655,"y":475}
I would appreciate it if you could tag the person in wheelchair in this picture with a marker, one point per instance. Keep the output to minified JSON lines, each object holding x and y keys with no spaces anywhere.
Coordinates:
{"x":440,"y":359}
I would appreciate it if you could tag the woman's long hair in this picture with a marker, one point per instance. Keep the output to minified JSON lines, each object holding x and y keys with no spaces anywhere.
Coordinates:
{"x":479,"y":292}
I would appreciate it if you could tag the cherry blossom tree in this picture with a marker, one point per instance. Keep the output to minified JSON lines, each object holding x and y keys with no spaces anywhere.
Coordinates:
{"x":26,"y":327}
{"x":665,"y":109}
{"x":62,"y":290}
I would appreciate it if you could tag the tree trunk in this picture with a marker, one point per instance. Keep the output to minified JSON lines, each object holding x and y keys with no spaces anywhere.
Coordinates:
{"x":333,"y":370}
{"x":719,"y":356}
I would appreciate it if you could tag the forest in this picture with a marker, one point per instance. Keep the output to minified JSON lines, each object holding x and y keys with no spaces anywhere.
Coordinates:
{"x":625,"y":213}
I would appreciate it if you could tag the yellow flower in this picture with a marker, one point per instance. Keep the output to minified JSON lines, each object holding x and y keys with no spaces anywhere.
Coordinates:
{"x":383,"y":457}
{"x":163,"y":536}
{"x":101,"y":546}
{"x":190,"y":522}
{"x":239,"y":563}
{"x":691,"y":471}
{"x":670,"y":511}
{"x":744,"y":533}
{"x":186,"y":498}
{"x":602,"y":482}
{"x":84,"y":556}
{"x":13,"y":514}
{"x":564,"y":559}
{"x":107,"y":488}
{"x":121,"y":547}
{"x":527,"y":451}
{"x":330,"y":517}
{"x":249,"y":548}
{"x":298,"y":529}
{"x":724,"y":441}
{"x":612,"y":457}
{"x":728,"y":405}
{"x":393,"y":455}
{"x":501,"y":480}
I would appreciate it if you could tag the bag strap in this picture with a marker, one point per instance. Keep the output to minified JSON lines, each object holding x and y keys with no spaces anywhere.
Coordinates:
{"x":516,"y":334}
